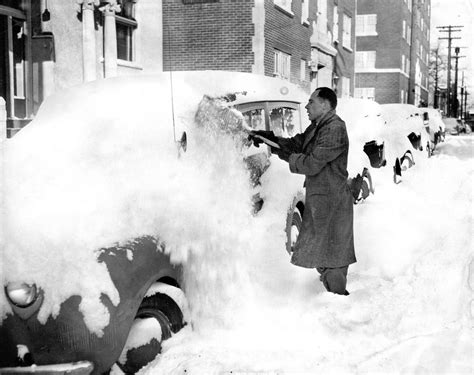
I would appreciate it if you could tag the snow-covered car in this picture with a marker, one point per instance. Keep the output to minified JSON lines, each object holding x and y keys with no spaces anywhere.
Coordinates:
{"x":436,"y":126}
{"x":405,"y":134}
{"x":98,"y":223}
{"x":365,"y":126}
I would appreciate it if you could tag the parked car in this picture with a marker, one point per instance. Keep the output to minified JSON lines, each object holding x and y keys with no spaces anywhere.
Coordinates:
{"x":365,"y":127}
{"x":437,"y":128}
{"x":72,"y":214}
{"x":405,"y":134}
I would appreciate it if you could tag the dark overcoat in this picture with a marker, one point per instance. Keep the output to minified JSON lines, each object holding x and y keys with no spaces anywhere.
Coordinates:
{"x":326,"y":238}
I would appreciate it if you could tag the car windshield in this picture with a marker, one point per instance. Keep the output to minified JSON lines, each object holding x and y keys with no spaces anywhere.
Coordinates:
{"x":283,"y":121}
{"x":255,"y":119}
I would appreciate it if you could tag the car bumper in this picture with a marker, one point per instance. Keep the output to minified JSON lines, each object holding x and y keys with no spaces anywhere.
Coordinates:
{"x":76,"y":368}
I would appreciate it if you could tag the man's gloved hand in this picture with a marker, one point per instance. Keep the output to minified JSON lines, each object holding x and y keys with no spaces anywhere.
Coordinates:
{"x":283,"y":153}
{"x":268,"y":134}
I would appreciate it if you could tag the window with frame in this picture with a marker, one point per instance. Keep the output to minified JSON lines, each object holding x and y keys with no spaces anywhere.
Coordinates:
{"x":407,"y":66}
{"x":409,"y":5}
{"x":335,"y":25}
{"x":304,"y":11}
{"x":284,"y":4}
{"x":365,"y":93}
{"x":404,"y":29}
{"x":346,"y":31}
{"x":366,"y":24}
{"x":403,"y":63}
{"x":126,"y":25}
{"x":282,"y":64}
{"x":409,"y":34}
{"x":365,"y":59}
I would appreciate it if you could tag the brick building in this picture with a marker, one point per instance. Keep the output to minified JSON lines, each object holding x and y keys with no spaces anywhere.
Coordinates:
{"x":49,"y":45}
{"x":391,"y":64}
{"x":291,"y":39}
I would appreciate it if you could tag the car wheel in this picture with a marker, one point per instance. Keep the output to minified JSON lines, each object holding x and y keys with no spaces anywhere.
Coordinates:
{"x":158,"y":317}
{"x":407,"y":161}
{"x":294,"y":221}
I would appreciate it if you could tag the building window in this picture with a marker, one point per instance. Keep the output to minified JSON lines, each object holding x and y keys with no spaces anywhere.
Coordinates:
{"x":402,"y":96}
{"x":365,"y":93}
{"x":365,"y":59}
{"x":335,"y":27}
{"x":304,"y":11}
{"x":346,"y":31}
{"x":346,"y":87}
{"x":303,"y":70}
{"x":407,"y":66}
{"x":422,"y":24}
{"x":366,"y":24}
{"x":409,"y":34}
{"x":284,"y":4}
{"x":282,"y":64}
{"x":403,"y":63}
{"x":125,"y":24}
{"x":409,"y":5}
{"x":404,"y":29}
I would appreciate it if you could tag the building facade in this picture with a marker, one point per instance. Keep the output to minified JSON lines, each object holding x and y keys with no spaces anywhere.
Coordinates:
{"x":48,"y":45}
{"x":54,"y":44}
{"x":392,"y":58}
{"x":290,"y":39}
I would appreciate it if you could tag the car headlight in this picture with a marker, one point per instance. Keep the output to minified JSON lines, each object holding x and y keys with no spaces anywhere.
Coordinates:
{"x":21,"y":294}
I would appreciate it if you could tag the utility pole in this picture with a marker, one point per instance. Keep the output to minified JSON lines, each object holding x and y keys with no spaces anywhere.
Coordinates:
{"x":465,"y":103}
{"x":436,"y":91}
{"x":462,"y":95}
{"x":449,"y":29}
{"x":455,"y":94}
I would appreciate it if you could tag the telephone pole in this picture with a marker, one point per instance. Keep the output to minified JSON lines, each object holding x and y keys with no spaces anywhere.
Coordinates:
{"x":455,"y":94}
{"x":436,"y":78}
{"x":449,"y":29}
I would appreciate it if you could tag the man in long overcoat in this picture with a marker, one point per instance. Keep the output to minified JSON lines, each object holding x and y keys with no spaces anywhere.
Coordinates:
{"x":326,"y":239}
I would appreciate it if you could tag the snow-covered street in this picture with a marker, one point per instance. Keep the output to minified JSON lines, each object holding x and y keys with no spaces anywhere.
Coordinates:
{"x":410,"y":307}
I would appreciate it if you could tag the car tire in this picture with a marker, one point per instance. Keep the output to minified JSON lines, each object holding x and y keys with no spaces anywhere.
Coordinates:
{"x":161,"y":308}
{"x":294,"y":221}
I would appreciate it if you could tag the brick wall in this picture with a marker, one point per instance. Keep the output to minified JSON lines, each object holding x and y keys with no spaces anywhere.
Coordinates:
{"x":214,"y":35}
{"x":387,"y":85}
{"x":286,"y":32}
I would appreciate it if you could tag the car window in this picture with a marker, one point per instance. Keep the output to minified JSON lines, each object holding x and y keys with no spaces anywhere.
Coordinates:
{"x":284,"y":121}
{"x":255,"y":119}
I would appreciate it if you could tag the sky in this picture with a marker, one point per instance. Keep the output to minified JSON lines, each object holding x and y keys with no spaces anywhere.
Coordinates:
{"x":87,"y":181}
{"x":456,"y":13}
